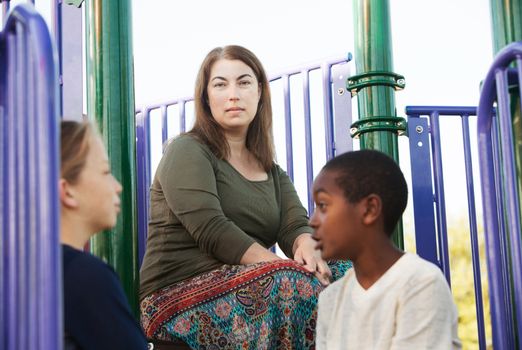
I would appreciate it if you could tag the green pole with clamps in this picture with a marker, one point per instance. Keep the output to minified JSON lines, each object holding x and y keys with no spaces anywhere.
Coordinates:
{"x":110,"y":101}
{"x":375,"y":84}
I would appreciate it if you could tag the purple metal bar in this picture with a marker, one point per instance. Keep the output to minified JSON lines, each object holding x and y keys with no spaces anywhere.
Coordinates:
{"x":475,"y":256}
{"x":442,"y":231}
{"x":288,"y":128}
{"x":143,"y":181}
{"x":502,"y":339}
{"x":342,"y":108}
{"x":31,"y":274}
{"x":13,"y":298}
{"x":422,"y":188}
{"x":57,"y":28}
{"x":164,"y":125}
{"x":513,"y":204}
{"x":328,"y":111}
{"x":308,"y":138}
{"x":502,"y":235}
{"x":182,"y":116}
{"x":5,"y":9}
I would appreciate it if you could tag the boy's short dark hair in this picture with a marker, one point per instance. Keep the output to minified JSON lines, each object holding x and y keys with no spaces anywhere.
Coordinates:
{"x":366,"y":172}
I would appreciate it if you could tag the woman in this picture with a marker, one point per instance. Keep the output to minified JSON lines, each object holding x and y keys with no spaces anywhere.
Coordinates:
{"x":218,"y":203}
{"x":96,"y":312}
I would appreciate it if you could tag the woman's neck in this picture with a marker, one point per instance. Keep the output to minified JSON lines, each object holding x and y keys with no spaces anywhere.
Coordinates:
{"x":237,"y":145}
{"x":73,"y":233}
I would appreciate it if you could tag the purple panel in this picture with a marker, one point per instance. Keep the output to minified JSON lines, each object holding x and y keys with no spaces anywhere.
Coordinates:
{"x":422,"y":190}
{"x":424,"y":196}
{"x":492,"y":188}
{"x":32,"y":306}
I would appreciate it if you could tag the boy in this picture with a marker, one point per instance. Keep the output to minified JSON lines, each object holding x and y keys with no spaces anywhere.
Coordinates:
{"x":390,"y":299}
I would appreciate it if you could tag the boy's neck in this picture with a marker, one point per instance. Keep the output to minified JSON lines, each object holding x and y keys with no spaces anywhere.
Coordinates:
{"x":374,"y":261}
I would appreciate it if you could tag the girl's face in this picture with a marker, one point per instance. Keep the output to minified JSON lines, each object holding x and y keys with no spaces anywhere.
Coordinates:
{"x":97,"y":192}
{"x":233,"y":95}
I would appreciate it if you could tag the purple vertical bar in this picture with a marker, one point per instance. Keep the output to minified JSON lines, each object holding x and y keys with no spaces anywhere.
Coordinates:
{"x":5,"y":9}
{"x":164,"y":125}
{"x":50,"y":322}
{"x":421,"y":188}
{"x":342,"y":104}
{"x":308,"y":137}
{"x":502,"y":335}
{"x":501,"y":235}
{"x":57,"y":27}
{"x":442,"y":231}
{"x":328,"y":117}
{"x":142,"y":183}
{"x":12,"y":299}
{"x":513,"y":209}
{"x":473,"y":233}
{"x":288,"y":128}
{"x":33,"y":190}
{"x":22,"y":235}
{"x":182,"y":116}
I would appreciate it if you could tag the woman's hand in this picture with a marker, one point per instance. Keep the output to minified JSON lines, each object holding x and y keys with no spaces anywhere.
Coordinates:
{"x":257,"y":253}
{"x":306,"y":254}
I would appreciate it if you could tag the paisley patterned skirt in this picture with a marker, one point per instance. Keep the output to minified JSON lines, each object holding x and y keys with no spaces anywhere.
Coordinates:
{"x":270,"y":305}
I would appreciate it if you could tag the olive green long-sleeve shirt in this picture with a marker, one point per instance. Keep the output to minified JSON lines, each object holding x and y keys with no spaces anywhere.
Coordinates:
{"x":204,"y":213}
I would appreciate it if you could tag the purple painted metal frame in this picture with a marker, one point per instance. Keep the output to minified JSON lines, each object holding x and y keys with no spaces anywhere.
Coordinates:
{"x":501,"y":202}
{"x":428,"y":192}
{"x":30,"y":279}
{"x":337,"y":119}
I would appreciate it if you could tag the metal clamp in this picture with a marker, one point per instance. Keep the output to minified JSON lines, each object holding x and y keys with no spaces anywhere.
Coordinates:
{"x":358,"y":82}
{"x":393,"y":124}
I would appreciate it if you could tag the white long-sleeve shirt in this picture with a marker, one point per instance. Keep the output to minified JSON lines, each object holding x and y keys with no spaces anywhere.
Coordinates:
{"x":409,"y":307}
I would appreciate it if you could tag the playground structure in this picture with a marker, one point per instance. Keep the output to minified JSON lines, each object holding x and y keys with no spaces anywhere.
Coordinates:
{"x":377,"y":128}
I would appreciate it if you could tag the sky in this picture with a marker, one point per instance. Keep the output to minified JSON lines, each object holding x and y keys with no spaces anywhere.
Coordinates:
{"x":443,"y":48}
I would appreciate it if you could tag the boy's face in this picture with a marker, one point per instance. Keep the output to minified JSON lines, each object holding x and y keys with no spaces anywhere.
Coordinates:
{"x":337,"y":223}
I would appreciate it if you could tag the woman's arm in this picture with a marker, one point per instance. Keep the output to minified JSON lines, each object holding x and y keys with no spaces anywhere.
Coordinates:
{"x":295,"y":236}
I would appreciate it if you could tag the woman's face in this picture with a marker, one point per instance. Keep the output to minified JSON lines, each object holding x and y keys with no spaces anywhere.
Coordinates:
{"x":97,"y":191}
{"x":233,"y":95}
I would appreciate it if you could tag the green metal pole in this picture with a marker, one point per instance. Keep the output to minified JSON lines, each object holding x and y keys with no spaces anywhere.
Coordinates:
{"x":110,"y":100}
{"x":375,"y":84}
{"x":506,"y":18}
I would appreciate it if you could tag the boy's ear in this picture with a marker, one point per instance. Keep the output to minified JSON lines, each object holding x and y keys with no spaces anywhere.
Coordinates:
{"x":372,"y":209}
{"x":66,"y":193}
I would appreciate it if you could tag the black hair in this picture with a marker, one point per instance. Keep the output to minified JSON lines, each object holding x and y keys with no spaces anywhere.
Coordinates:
{"x":365,"y":172}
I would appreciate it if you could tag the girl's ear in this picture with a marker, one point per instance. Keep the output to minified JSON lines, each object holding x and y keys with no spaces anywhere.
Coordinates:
{"x":372,"y":209}
{"x":66,"y":193}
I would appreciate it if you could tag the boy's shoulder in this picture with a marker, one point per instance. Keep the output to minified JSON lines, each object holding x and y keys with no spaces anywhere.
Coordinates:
{"x":418,"y":266}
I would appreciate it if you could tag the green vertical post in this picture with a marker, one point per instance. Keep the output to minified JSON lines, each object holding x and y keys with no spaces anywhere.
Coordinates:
{"x":506,"y":18}
{"x":110,"y":100}
{"x":375,"y":84}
